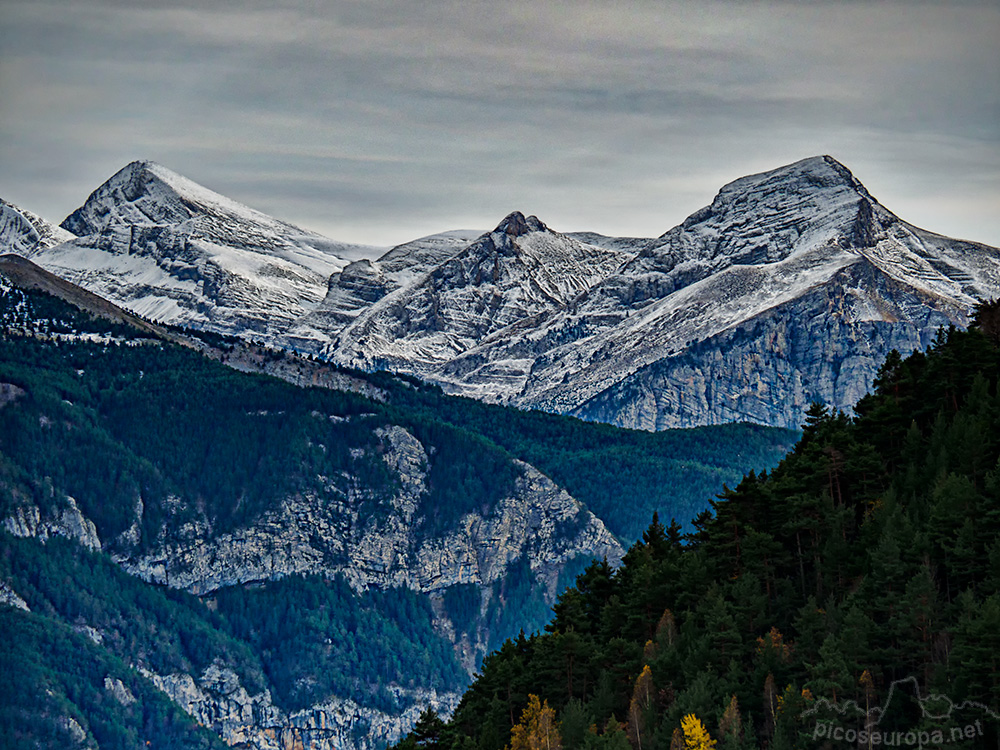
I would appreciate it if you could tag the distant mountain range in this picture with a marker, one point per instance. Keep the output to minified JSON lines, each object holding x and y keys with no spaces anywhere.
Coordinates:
{"x":790,"y":287}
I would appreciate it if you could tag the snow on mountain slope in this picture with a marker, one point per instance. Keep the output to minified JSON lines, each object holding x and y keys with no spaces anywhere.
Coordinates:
{"x":145,"y":193}
{"x":791,"y":286}
{"x":758,"y":219}
{"x":22,"y":232}
{"x":754,"y":220}
{"x":170,"y":249}
{"x":364,"y":282}
{"x":519,"y":270}
{"x":635,"y":349}
{"x":406,"y":263}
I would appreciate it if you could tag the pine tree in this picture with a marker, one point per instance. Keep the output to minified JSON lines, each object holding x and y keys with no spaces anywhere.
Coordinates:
{"x":987,"y":320}
{"x":975,"y":659}
{"x":428,"y":730}
{"x":830,"y":676}
{"x":573,"y":724}
{"x":614,"y":736}
{"x":731,"y":726}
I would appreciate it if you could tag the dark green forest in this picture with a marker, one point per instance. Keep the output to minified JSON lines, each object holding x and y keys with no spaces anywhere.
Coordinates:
{"x":98,"y":411}
{"x":623,"y":476}
{"x":863,"y":571}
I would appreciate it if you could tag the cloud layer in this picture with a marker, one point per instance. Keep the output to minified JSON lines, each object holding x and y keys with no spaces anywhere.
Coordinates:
{"x":379,"y":121}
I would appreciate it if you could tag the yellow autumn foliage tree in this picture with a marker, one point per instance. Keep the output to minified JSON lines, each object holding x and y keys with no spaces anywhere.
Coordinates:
{"x":696,"y":737}
{"x":642,"y":699}
{"x":538,"y":728}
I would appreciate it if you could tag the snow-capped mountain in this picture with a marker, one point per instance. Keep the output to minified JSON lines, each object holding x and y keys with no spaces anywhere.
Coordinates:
{"x":364,"y":282}
{"x":24,"y":233}
{"x":791,"y":286}
{"x":169,"y":249}
{"x":517,"y":272}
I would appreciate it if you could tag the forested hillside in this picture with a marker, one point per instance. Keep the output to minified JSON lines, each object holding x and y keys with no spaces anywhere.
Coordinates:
{"x":862,"y":572}
{"x":623,"y":476}
{"x":126,"y":442}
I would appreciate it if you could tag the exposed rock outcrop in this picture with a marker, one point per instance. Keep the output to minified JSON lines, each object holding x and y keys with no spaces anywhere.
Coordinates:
{"x":68,"y":521}
{"x":219,"y":701}
{"x":769,"y":369}
{"x":10,"y":597}
{"x":309,"y":534}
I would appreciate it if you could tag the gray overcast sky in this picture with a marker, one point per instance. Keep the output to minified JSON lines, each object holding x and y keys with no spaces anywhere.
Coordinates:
{"x":379,"y":122}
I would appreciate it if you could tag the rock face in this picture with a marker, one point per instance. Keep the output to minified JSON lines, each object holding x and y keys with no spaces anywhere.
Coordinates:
{"x":519,"y":270}
{"x":218,"y":700}
{"x":388,"y":547}
{"x":375,"y":543}
{"x":68,"y":521}
{"x":768,"y":369}
{"x":10,"y":598}
{"x":24,"y":233}
{"x":364,"y":282}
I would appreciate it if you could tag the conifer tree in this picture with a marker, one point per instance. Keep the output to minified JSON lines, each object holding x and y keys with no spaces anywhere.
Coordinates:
{"x":831,"y":677}
{"x":573,"y":725}
{"x":731,"y":725}
{"x":614,"y":736}
{"x":428,"y":730}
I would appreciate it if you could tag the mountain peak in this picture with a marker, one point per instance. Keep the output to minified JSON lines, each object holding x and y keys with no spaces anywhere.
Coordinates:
{"x":769,"y":215}
{"x":516,"y":225}
{"x":142,"y":192}
{"x":811,"y":176}
{"x":145,"y":193}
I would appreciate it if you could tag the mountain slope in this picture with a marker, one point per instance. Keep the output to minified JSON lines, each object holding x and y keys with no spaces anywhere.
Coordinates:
{"x":363,"y":282}
{"x":23,"y":232}
{"x":851,"y":594}
{"x":801,"y":261}
{"x":301,"y":517}
{"x":29,"y":276}
{"x":190,"y":474}
{"x":171,"y":250}
{"x":518,"y":271}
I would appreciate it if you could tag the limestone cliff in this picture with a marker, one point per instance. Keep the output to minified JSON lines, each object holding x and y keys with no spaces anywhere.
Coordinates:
{"x":375,"y":541}
{"x":219,"y":701}
{"x":67,"y":521}
{"x":388,"y":547}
